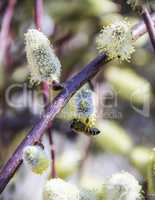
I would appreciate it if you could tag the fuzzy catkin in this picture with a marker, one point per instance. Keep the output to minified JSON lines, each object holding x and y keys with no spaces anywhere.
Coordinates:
{"x":43,"y":64}
{"x":122,"y":186}
{"x":35,"y":158}
{"x":57,"y":189}
{"x":81,"y":106}
{"x":116,"y":41}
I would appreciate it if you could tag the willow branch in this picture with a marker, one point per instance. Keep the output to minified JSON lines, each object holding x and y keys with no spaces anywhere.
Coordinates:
{"x":71,"y":86}
{"x":45,"y":86}
{"x":5,"y":28}
{"x":149,"y":24}
{"x":38,"y":14}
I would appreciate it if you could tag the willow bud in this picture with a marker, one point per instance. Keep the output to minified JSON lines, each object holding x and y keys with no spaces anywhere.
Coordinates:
{"x":35,"y":158}
{"x":116,"y":41}
{"x":44,"y":65}
{"x":122,"y":186}
{"x":57,"y":189}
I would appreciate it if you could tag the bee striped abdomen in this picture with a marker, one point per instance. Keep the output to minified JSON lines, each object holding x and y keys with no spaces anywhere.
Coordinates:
{"x":79,"y":126}
{"x":94,"y":131}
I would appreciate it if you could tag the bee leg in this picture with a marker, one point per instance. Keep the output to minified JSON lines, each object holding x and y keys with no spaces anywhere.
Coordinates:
{"x":72,"y":123}
{"x":87,"y":120}
{"x":94,"y":131}
{"x":39,"y":143}
{"x":57,"y":86}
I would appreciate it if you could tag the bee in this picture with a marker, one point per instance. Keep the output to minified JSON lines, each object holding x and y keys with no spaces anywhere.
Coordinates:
{"x":80,"y":111}
{"x":79,"y":126}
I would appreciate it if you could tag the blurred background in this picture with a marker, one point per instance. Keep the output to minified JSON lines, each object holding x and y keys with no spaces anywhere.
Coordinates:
{"x":125,"y":95}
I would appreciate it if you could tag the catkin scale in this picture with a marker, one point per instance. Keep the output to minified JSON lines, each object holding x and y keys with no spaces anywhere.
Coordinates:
{"x":35,"y":158}
{"x":44,"y":65}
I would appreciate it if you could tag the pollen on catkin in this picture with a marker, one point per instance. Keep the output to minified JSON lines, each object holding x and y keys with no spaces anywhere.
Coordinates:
{"x":122,"y":186}
{"x":43,"y":64}
{"x":57,"y":189}
{"x":116,"y":41}
{"x":35,"y":158}
{"x":81,"y":106}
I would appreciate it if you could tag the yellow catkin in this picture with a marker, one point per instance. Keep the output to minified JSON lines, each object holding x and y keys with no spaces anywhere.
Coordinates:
{"x":57,"y":189}
{"x":43,"y":64}
{"x":81,"y":107}
{"x":122,"y":186}
{"x":116,"y":41}
{"x":35,"y":158}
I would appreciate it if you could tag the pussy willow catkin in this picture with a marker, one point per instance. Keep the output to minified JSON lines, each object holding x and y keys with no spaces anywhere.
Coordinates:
{"x":36,"y":159}
{"x":116,"y":41}
{"x":122,"y":186}
{"x":81,"y":110}
{"x":57,"y":189}
{"x":43,"y":64}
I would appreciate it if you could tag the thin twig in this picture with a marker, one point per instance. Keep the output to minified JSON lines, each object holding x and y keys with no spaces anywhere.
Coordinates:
{"x":45,"y":86}
{"x":149,"y":24}
{"x":53,"y":168}
{"x":38,"y":14}
{"x":71,"y":86}
{"x":5,"y":41}
{"x":139,"y":29}
{"x":5,"y":28}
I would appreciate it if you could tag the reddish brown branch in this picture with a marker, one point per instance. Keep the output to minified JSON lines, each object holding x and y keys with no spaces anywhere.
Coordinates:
{"x":5,"y":28}
{"x":45,"y":87}
{"x":53,"y":168}
{"x":38,"y":14}
{"x":58,"y":103}
{"x":150,"y":25}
